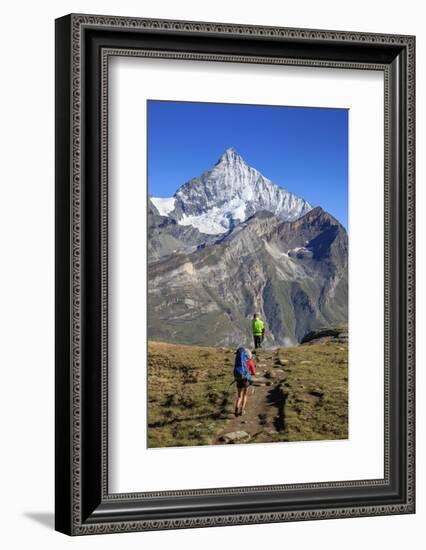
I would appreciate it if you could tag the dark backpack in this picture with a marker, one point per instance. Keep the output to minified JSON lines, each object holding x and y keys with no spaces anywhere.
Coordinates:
{"x":241,"y":371}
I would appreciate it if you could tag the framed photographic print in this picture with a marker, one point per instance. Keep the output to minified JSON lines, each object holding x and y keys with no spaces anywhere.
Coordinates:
{"x":234,"y":274}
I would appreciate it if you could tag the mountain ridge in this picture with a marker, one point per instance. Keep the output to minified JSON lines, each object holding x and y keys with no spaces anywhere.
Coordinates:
{"x":293,"y":273}
{"x":227,"y":194}
{"x":287,"y":262}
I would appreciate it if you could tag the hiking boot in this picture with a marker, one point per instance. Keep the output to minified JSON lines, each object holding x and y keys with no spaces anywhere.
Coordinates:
{"x":243,"y":412}
{"x":236,"y":412}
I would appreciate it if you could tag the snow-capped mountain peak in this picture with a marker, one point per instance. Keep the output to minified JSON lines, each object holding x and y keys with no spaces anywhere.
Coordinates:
{"x":231,"y":157}
{"x":228,"y":194}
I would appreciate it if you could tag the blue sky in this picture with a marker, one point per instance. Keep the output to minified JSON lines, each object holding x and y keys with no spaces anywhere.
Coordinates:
{"x":303,"y":149}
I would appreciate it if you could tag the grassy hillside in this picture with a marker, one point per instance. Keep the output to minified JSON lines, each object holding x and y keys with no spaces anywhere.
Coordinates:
{"x":317,"y":391}
{"x":189,"y":393}
{"x":300,"y":393}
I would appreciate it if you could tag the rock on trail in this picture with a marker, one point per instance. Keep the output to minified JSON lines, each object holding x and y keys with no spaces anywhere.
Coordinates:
{"x":236,"y":437}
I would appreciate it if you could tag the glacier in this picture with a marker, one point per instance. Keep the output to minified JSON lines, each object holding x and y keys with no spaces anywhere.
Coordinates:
{"x":164,"y":205}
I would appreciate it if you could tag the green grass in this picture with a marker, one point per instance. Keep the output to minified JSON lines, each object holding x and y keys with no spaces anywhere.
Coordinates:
{"x":189,"y":393}
{"x":317,"y":391}
{"x":190,"y":397}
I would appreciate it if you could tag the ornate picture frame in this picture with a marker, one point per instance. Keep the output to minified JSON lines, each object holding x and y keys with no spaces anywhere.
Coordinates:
{"x":83,"y":503}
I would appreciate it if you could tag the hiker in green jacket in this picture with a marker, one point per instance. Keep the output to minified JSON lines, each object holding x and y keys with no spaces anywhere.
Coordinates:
{"x":258,"y":329}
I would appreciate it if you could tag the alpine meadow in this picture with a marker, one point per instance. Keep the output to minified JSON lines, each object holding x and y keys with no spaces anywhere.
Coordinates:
{"x":247,"y":270}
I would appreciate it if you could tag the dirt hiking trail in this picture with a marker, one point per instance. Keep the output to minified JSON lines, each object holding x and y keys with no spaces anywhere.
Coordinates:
{"x":300,"y":393}
{"x":265,"y":410}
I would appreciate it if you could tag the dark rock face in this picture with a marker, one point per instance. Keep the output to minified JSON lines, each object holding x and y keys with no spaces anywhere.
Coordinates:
{"x":166,"y":236}
{"x":203,"y":289}
{"x":337,"y":334}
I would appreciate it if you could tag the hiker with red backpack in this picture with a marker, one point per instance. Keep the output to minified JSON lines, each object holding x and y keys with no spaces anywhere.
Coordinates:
{"x":244,"y":369}
{"x":250,"y":363}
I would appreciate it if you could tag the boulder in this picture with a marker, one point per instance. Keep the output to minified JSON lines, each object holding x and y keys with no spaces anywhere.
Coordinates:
{"x":236,"y":437}
{"x":259,"y":381}
{"x":317,"y":392}
{"x":269,"y":374}
{"x":320,"y":333}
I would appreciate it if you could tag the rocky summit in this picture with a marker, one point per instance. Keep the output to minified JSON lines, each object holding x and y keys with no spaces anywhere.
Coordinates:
{"x":226,"y":195}
{"x":230,"y":243}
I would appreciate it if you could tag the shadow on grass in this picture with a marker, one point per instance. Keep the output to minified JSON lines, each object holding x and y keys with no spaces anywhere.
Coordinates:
{"x":215,"y":415}
{"x":277,"y":398}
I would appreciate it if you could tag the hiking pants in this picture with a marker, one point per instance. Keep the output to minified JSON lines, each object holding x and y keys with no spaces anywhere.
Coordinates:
{"x":257,"y":341}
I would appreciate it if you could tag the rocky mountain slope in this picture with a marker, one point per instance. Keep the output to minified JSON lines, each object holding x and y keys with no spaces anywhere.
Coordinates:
{"x":293,"y":273}
{"x":230,"y":243}
{"x":166,"y":236}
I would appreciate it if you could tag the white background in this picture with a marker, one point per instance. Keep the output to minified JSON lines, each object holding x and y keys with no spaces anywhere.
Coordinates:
{"x":26,"y":229}
{"x":132,"y":81}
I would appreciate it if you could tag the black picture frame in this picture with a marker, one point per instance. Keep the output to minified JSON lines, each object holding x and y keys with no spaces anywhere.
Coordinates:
{"x":82,"y":502}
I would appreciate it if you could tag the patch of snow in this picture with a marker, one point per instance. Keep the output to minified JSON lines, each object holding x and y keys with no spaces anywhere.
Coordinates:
{"x":216,"y":220}
{"x":300,"y":252}
{"x":239,"y":212}
{"x":164,"y":205}
{"x":209,"y":222}
{"x":298,"y":249}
